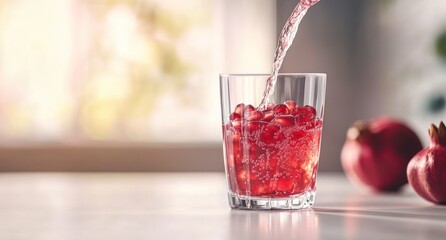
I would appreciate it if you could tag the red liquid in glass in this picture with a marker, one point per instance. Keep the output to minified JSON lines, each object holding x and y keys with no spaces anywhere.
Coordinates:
{"x":273,"y":152}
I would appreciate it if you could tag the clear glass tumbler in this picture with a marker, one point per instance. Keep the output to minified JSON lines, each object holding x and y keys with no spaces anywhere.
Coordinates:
{"x":272,"y":154}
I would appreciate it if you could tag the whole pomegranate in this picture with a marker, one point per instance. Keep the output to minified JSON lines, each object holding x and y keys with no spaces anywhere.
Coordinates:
{"x":376,"y":153}
{"x":427,"y":170}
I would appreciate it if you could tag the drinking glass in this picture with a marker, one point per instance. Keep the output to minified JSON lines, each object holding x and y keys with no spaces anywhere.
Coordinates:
{"x":271,"y":154}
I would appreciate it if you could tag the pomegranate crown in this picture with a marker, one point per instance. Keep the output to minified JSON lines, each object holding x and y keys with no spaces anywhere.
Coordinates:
{"x":438,"y":134}
{"x":358,"y":131}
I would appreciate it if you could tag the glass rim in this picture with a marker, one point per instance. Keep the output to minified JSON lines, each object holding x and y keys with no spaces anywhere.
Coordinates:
{"x":324,"y":75}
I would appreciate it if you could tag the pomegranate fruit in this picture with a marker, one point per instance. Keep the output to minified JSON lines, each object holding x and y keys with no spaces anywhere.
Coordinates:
{"x":427,"y":170}
{"x":376,"y":153}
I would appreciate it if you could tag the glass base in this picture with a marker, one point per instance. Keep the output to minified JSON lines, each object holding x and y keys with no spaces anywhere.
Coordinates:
{"x":295,"y":202}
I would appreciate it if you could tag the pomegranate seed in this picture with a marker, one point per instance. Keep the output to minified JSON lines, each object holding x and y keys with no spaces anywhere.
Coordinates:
{"x":238,"y":159}
{"x":258,"y":189}
{"x":314,"y":124}
{"x":310,"y":110}
{"x":253,"y":175}
{"x":279,"y":136}
{"x":270,"y":106}
{"x":254,"y":115}
{"x":262,"y":162}
{"x":285,"y":185}
{"x":239,"y":109}
{"x":235,"y":144}
{"x":233,"y":147}
{"x":281,"y":109}
{"x":284,"y":120}
{"x":318,"y":124}
{"x":256,"y":155}
{"x":243,"y":175}
{"x":254,"y":126}
{"x":291,"y":105}
{"x":233,"y":116}
{"x":272,"y":160}
{"x":237,"y":123}
{"x":235,"y":138}
{"x":248,"y":109}
{"x":301,"y":110}
{"x":297,"y":135}
{"x":303,"y":119}
{"x":268,"y":133}
{"x":242,"y":179}
{"x":307,"y":109}
{"x":305,"y":114}
{"x":268,"y":116}
{"x":295,"y":111}
{"x":253,"y":148}
{"x":272,"y":129}
{"x":293,"y":163}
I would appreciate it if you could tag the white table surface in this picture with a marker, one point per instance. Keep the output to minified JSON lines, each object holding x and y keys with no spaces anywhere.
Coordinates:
{"x":194,"y":206}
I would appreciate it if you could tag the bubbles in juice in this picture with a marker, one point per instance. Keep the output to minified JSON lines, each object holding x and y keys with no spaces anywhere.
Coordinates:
{"x":273,"y":152}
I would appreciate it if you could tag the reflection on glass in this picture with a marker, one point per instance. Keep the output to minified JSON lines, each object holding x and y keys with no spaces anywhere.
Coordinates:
{"x":274,"y":225}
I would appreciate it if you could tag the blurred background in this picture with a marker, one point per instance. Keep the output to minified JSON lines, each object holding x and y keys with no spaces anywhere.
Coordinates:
{"x":132,"y":85}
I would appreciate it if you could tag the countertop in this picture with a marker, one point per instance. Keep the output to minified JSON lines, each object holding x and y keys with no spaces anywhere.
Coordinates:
{"x":194,"y":206}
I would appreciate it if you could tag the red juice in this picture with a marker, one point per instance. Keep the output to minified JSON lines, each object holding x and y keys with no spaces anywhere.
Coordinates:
{"x":272,"y":152}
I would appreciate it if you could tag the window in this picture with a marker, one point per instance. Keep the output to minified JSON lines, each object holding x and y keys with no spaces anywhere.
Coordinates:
{"x":124,"y":70}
